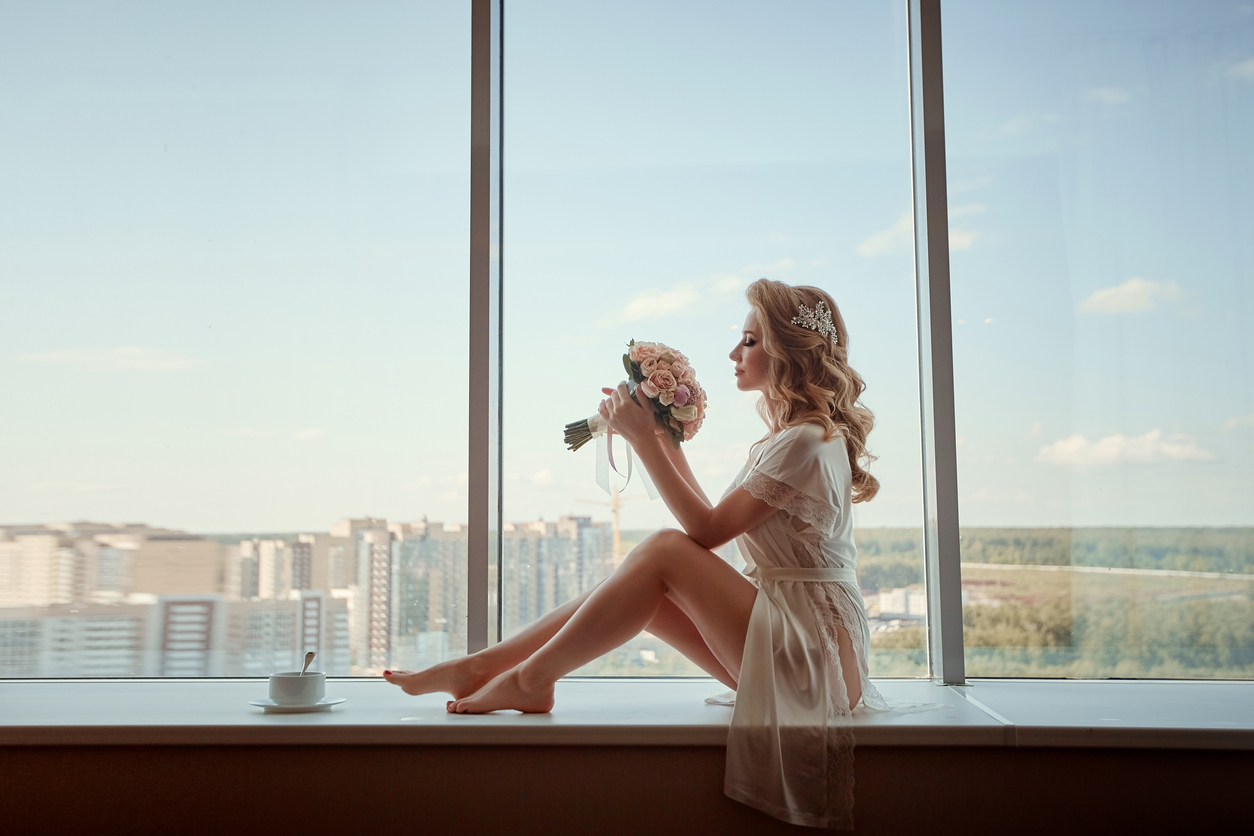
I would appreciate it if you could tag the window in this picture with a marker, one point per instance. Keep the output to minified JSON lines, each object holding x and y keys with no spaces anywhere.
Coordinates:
{"x":694,"y":149}
{"x":1103,"y":287}
{"x":234,"y":267}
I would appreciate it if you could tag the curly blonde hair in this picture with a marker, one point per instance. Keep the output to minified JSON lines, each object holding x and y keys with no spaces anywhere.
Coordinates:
{"x":810,"y":377}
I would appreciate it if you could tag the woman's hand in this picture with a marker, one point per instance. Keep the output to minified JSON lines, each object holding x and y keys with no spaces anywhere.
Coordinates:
{"x":635,"y":422}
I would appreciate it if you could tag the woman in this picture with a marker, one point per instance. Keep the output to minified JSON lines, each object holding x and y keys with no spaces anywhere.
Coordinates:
{"x":791,"y":638}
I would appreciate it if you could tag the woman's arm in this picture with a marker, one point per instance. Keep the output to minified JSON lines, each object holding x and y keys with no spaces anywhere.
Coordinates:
{"x":680,"y":461}
{"x":709,"y":526}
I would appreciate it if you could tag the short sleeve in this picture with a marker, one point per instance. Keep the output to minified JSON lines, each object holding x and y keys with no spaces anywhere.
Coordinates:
{"x":800,"y":473}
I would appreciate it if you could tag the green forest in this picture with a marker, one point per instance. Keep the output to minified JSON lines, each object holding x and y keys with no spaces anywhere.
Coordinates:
{"x":1072,"y":619}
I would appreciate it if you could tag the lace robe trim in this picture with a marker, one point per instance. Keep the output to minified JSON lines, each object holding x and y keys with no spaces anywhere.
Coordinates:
{"x":821,"y":516}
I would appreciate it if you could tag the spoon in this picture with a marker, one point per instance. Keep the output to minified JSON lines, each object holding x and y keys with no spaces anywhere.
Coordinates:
{"x":308,"y":658}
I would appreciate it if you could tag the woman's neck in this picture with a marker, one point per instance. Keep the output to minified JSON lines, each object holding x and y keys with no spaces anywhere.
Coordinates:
{"x":771,"y":417}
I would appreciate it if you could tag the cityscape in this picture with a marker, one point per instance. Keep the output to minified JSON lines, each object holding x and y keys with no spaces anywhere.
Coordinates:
{"x":92,"y":599}
{"x":133,"y":600}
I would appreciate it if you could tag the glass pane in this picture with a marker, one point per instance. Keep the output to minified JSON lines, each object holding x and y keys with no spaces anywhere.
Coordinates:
{"x":234,"y":254}
{"x":1103,"y":287}
{"x":655,"y":163}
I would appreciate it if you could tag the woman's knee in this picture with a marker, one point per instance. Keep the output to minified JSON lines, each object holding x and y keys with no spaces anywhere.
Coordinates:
{"x":661,"y":542}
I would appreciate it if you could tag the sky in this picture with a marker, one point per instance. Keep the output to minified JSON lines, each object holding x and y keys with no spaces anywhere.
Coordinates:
{"x":233,"y":250}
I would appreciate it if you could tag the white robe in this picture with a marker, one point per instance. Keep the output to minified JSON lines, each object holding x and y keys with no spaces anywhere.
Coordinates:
{"x":790,"y":744}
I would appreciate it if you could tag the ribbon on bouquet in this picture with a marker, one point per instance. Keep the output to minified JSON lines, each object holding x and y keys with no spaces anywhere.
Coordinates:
{"x":605,"y":459}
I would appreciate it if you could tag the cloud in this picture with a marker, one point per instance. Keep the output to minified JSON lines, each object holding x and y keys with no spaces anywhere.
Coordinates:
{"x":1136,"y":295}
{"x":961,"y":185}
{"x":962,"y":239}
{"x":653,"y":304}
{"x":781,"y":265}
{"x":1024,"y":124}
{"x":967,"y":209}
{"x":778,"y":237}
{"x":121,"y":357}
{"x":898,"y":238}
{"x":1078,"y":453}
{"x":1239,"y":421}
{"x":542,"y":477}
{"x":1243,"y":71}
{"x":309,"y":434}
{"x":656,"y":304}
{"x":1109,"y":95}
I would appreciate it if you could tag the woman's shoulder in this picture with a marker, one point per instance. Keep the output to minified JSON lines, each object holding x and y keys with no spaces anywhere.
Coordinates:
{"x":810,"y":433}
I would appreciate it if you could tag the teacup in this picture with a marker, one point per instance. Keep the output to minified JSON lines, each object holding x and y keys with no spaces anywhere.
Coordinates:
{"x":291,"y":688}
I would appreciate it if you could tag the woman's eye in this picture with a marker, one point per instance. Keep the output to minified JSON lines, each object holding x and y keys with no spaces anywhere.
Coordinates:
{"x":748,"y":343}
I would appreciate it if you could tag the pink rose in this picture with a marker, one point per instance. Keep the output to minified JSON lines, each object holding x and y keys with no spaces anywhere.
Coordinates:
{"x":648,"y":366}
{"x":666,"y":397}
{"x":663,"y":380}
{"x":639,"y":352}
{"x":682,"y":394}
{"x":679,"y":368}
{"x":649,"y":390}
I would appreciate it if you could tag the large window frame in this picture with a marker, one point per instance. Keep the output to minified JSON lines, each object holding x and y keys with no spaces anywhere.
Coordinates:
{"x":935,"y":345}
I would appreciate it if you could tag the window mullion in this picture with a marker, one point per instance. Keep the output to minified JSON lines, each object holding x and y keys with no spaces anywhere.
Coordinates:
{"x":936,"y":372}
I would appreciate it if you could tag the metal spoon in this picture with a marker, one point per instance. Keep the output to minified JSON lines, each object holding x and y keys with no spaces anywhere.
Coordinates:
{"x":308,"y":658}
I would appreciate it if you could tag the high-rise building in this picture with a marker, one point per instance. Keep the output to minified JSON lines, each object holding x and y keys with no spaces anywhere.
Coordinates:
{"x":178,"y":564}
{"x":37,"y":570}
{"x":319,"y":562}
{"x":427,"y":599}
{"x":93,"y":640}
{"x":548,"y":563}
{"x":344,"y":536}
{"x":373,"y":599}
{"x":187,"y":636}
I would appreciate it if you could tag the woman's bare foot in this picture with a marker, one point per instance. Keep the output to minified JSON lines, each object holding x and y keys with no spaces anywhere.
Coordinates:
{"x":509,"y":690}
{"x":459,"y":677}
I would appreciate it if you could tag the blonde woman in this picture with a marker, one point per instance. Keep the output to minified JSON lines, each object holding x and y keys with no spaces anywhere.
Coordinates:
{"x":790,"y":635}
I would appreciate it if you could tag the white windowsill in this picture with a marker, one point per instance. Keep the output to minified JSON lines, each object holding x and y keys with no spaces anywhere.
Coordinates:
{"x":630,"y":712}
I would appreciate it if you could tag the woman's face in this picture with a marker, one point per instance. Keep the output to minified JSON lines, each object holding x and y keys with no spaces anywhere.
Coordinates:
{"x":753,"y":365}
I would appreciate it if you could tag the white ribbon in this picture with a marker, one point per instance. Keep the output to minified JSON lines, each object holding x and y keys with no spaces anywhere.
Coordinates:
{"x":605,"y":459}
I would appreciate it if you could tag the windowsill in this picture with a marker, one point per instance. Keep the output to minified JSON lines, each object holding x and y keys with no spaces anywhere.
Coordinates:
{"x":625,"y":712}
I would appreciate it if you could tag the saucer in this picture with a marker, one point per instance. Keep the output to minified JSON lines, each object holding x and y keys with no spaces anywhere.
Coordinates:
{"x":272,"y":707}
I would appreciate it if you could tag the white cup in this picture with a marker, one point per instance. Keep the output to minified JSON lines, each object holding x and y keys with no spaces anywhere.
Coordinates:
{"x":290,"y":688}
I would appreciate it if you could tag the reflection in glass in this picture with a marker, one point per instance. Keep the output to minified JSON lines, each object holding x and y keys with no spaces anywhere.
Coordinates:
{"x":1100,"y":207}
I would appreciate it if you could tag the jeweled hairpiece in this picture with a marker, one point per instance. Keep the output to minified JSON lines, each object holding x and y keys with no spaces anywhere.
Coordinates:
{"x":819,"y":319}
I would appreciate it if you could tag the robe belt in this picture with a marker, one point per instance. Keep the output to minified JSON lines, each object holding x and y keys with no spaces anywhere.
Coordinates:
{"x":825,"y":575}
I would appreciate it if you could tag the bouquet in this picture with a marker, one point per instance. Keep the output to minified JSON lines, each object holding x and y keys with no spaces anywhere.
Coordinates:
{"x":666,"y":379}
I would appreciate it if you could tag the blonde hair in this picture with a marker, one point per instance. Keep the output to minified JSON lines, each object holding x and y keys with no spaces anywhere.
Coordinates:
{"x":811,"y":381}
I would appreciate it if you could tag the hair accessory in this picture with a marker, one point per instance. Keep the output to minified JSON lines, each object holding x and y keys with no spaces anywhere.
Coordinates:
{"x":819,"y":319}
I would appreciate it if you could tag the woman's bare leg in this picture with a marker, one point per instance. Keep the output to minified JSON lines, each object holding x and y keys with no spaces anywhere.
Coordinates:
{"x":462,"y":677}
{"x":848,"y":665}
{"x":668,"y":565}
{"x":467,"y":674}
